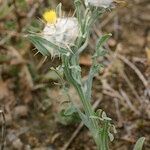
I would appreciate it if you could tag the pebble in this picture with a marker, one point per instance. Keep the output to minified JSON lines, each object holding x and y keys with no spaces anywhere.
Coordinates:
{"x":17,"y":144}
{"x":27,"y":147}
{"x":21,"y":111}
{"x":11,"y":136}
{"x":44,"y":148}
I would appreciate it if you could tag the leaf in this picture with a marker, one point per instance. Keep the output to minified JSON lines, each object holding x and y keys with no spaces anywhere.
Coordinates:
{"x":99,"y":112}
{"x":59,"y":9}
{"x":114,"y":129}
{"x":68,"y":119}
{"x":44,"y":45}
{"x":78,"y":11}
{"x":139,"y":144}
{"x":84,"y":119}
{"x":86,"y":3}
{"x":102,"y":40}
{"x":107,"y":118}
{"x":39,"y":45}
{"x":68,"y":115}
{"x":88,"y":84}
{"x":100,"y":52}
{"x":50,"y":75}
{"x":70,"y":110}
{"x":111,"y":137}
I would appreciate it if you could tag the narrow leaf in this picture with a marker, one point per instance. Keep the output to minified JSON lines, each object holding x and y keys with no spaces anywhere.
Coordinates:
{"x":102,"y":41}
{"x":84,"y":119}
{"x":70,"y":110}
{"x":88,"y":84}
{"x":44,"y":45}
{"x":39,"y":45}
{"x":59,"y":9}
{"x":139,"y":144}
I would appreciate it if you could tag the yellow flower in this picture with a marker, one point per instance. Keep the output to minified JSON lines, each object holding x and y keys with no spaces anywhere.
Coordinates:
{"x":50,"y":16}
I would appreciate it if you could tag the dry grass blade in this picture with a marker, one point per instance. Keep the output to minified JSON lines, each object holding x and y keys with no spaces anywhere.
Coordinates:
{"x":131,"y":86}
{"x":137,"y":71}
{"x":3,"y":130}
{"x":126,"y":98}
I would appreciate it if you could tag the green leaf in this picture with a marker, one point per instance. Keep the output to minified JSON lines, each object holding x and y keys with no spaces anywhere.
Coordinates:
{"x":68,"y":119}
{"x":102,"y":40}
{"x":139,"y":144}
{"x":39,"y":45}
{"x":78,"y":11}
{"x":50,"y":75}
{"x":84,"y":119}
{"x":96,"y":117}
{"x":44,"y":45}
{"x":70,"y":110}
{"x":88,"y":84}
{"x":68,"y":115}
{"x":100,"y":52}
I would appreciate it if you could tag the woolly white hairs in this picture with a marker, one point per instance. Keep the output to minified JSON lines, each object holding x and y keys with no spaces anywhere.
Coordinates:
{"x":63,"y":33}
{"x":100,"y":3}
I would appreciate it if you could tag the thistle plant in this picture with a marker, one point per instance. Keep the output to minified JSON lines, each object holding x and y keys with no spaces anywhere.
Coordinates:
{"x":67,"y":38}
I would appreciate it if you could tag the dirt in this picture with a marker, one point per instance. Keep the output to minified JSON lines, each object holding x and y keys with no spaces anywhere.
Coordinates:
{"x":32,"y":102}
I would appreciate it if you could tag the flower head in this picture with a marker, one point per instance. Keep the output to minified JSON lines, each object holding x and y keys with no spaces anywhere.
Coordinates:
{"x":100,"y":3}
{"x":63,"y":33}
{"x":50,"y":16}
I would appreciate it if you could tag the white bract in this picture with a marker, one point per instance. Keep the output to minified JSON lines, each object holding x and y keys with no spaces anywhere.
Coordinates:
{"x":63,"y":33}
{"x":100,"y":3}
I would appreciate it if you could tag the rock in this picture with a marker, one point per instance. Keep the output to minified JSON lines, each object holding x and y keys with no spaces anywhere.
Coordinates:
{"x":112,"y":42}
{"x":17,"y":144}
{"x":8,"y":119}
{"x":40,"y":148}
{"x":43,"y":148}
{"x":11,"y":136}
{"x":27,"y":147}
{"x":21,"y":111}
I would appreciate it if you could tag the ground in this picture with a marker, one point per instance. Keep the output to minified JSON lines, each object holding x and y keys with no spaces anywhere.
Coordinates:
{"x":31,"y":101}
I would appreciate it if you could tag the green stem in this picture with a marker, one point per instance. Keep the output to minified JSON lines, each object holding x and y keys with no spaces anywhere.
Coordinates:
{"x":86,"y":105}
